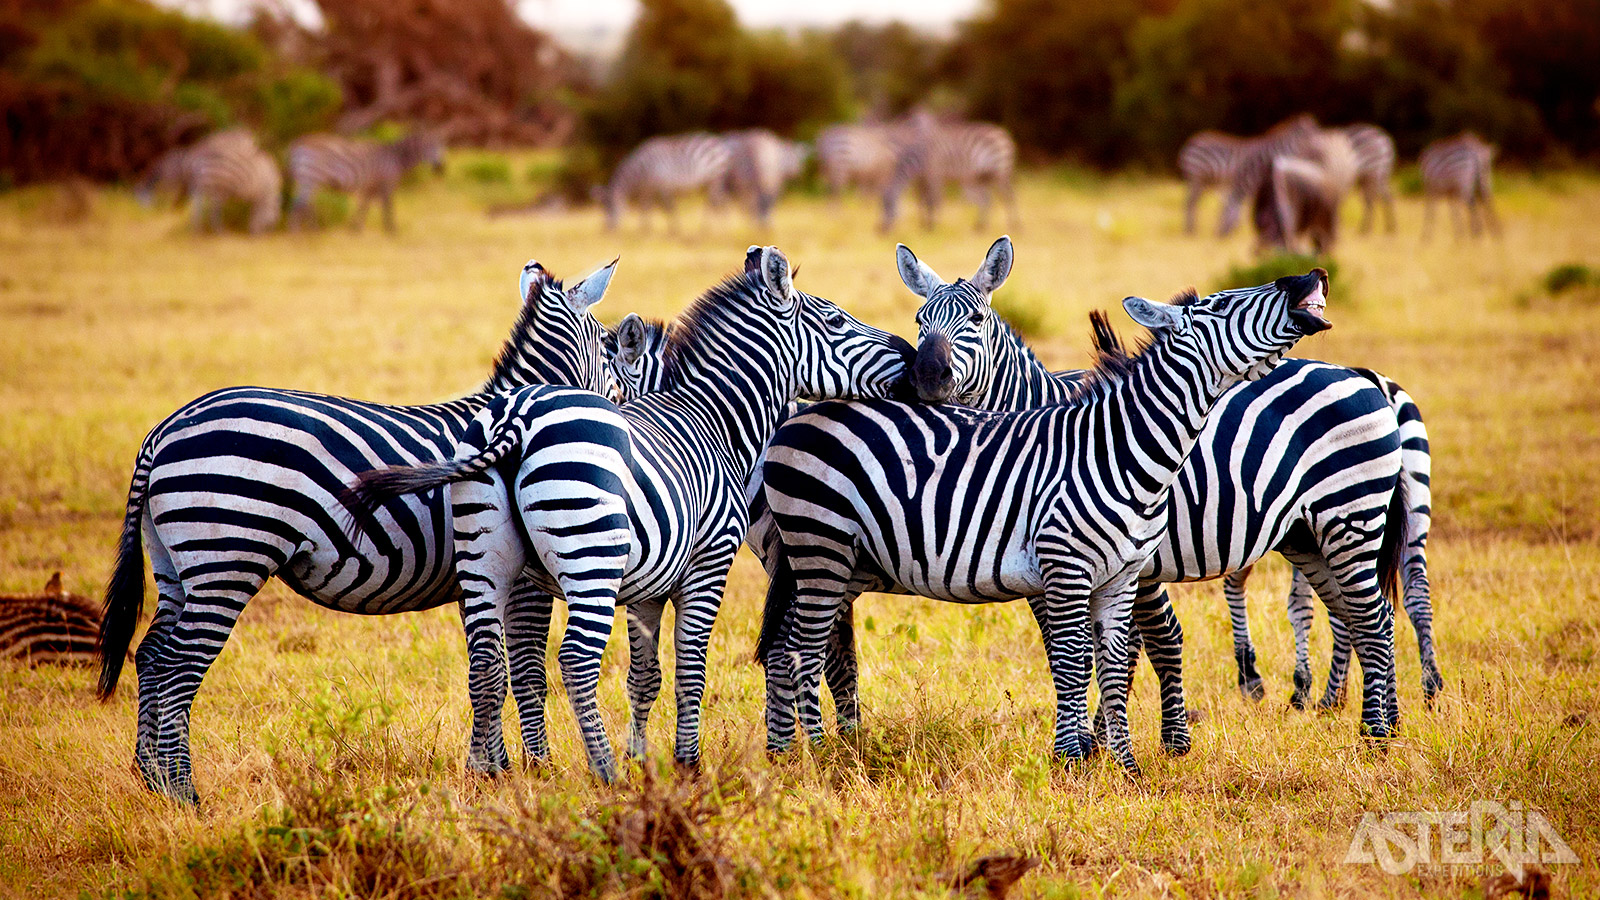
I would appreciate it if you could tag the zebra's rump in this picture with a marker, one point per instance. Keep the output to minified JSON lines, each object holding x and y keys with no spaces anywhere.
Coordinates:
{"x":1307,"y":442}
{"x":251,"y":477}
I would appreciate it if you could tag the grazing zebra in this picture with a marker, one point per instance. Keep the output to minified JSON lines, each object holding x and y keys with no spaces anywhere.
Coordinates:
{"x":1066,"y":501}
{"x":661,"y":170}
{"x":1459,"y":170}
{"x":975,"y":155}
{"x":971,"y":356}
{"x":227,"y":165}
{"x":760,"y":165}
{"x":1207,"y":160}
{"x":369,"y":169}
{"x":1291,"y":137}
{"x":1416,"y":465}
{"x":243,"y":484}
{"x":49,"y":627}
{"x":675,"y":515}
{"x":1302,"y":195}
{"x":1375,"y":156}
{"x":858,"y":156}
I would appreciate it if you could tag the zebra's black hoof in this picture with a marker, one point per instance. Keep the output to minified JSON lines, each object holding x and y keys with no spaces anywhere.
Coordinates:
{"x":1253,"y":690}
{"x":688,"y":768}
{"x":1432,"y":684}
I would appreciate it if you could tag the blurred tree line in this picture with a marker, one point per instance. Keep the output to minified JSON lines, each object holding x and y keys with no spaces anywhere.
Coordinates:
{"x":99,"y":87}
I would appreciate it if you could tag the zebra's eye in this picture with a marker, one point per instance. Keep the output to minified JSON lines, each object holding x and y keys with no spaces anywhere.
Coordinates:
{"x":977,"y":317}
{"x":835,"y":319}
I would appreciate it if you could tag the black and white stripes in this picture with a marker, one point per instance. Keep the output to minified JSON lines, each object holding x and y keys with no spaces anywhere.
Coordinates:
{"x":365,"y":168}
{"x":1458,"y":169}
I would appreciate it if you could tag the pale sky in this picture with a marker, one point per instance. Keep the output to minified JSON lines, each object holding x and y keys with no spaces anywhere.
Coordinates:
{"x":569,"y":16}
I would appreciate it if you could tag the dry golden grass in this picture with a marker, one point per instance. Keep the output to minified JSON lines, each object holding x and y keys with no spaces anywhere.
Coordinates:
{"x":319,"y":727}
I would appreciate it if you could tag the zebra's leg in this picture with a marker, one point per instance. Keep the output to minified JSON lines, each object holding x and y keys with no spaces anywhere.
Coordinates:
{"x":527,"y":635}
{"x":147,"y":659}
{"x":1427,"y":217}
{"x":820,"y":598}
{"x":1244,"y":651}
{"x":1490,"y":217}
{"x":360,"y":217}
{"x":1388,"y":207}
{"x":591,"y":610}
{"x":1160,"y":634}
{"x":1301,"y":614}
{"x":1008,"y":195}
{"x":644,"y":669}
{"x":1419,"y":609}
{"x":1367,"y":191}
{"x":978,"y":194}
{"x":1333,"y":695}
{"x":839,"y":670}
{"x":387,"y":199}
{"x":1350,"y":581}
{"x":489,"y":559}
{"x":214,"y":598}
{"x":1191,"y":202}
{"x":1112,"y":607}
{"x":1069,"y":651}
{"x":697,"y":613}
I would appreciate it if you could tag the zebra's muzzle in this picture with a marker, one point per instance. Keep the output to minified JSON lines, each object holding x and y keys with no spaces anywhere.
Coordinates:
{"x":931,"y":374}
{"x":1309,"y":312}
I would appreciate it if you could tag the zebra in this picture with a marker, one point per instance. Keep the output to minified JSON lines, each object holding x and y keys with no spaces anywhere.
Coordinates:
{"x":1375,"y":155}
{"x":1416,"y":465}
{"x":226,"y":165}
{"x":52,"y":626}
{"x":1459,"y":170}
{"x":366,"y":168}
{"x":858,"y":156}
{"x":1065,"y":501}
{"x":1207,"y":160}
{"x":980,"y":157}
{"x":242,"y":484}
{"x":661,"y":170}
{"x":1302,"y":194}
{"x":666,"y":526}
{"x":971,"y":356}
{"x":1291,"y":137}
{"x":760,"y":165}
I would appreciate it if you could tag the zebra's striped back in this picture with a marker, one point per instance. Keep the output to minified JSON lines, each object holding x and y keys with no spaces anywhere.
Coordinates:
{"x":975,"y":155}
{"x":233,"y":167}
{"x":760,"y":166}
{"x":50,"y":627}
{"x":1291,"y":137}
{"x":1209,"y":158}
{"x":1457,"y":167}
{"x":356,"y":165}
{"x":662,"y":169}
{"x":858,"y":156}
{"x":1375,"y":153}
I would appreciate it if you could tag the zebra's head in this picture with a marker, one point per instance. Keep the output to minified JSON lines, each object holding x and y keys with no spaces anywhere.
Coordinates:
{"x":835,"y":355}
{"x":1239,"y":334}
{"x":422,"y":147}
{"x":638,"y":350}
{"x":955,"y":325}
{"x":557,"y":340}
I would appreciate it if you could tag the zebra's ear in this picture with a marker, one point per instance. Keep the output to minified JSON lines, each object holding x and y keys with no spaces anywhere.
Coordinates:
{"x":752,"y":258}
{"x":588,"y":292}
{"x":1156,"y":316}
{"x":630,"y":339}
{"x":921,"y":279}
{"x":530,"y":271}
{"x":775,"y":275}
{"x":996,"y":266}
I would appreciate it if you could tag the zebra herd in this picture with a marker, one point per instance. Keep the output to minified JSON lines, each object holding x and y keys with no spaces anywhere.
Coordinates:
{"x":1294,"y":176}
{"x":621,"y":469}
{"x":232,"y":165}
{"x":920,"y":154}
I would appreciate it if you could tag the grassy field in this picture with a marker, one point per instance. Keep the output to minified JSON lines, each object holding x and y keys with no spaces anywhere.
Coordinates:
{"x":330,"y":749}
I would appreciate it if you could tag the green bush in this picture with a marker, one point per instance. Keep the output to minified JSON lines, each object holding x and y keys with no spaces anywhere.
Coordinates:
{"x":486,"y":168}
{"x":1568,"y":276}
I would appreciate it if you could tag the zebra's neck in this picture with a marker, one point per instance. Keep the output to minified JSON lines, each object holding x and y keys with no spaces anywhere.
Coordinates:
{"x":1018,"y":379}
{"x":730,"y":398}
{"x":1151,"y":418}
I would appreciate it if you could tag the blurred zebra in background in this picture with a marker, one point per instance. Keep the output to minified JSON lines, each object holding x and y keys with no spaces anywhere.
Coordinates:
{"x":1300,"y":199}
{"x":760,"y":165}
{"x":1290,"y":137}
{"x":227,"y":165}
{"x":1458,"y":169}
{"x":50,"y":627}
{"x":861,"y":157}
{"x":979,"y":157}
{"x":663,"y":169}
{"x":1375,"y":156}
{"x":1207,"y":160}
{"x":356,"y":166}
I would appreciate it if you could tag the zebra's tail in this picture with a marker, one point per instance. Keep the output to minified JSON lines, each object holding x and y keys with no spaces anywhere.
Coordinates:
{"x":780,"y":599}
{"x":377,"y":487}
{"x":1392,"y":549}
{"x":124,"y":602}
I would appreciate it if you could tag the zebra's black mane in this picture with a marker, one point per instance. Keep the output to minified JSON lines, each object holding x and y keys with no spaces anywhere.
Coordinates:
{"x":521,"y":336}
{"x":719,"y":304}
{"x":1112,"y":362}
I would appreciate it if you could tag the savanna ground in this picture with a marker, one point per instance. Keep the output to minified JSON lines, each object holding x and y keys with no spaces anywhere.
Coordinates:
{"x":329,"y":748}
